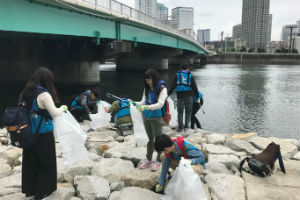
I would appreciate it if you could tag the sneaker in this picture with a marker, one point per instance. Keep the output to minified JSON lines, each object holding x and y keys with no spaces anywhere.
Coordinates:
{"x":155,"y":166}
{"x":145,"y":164}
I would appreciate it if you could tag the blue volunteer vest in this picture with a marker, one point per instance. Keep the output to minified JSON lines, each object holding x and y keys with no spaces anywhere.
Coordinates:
{"x":123,"y":108}
{"x":75,"y":103}
{"x":184,"y":79}
{"x":152,"y":98}
{"x":36,"y":115}
{"x":200,"y":96}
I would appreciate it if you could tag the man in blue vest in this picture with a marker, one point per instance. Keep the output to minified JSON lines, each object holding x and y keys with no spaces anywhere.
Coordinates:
{"x":185,"y":89}
{"x":124,"y":122}
{"x":173,"y":150}
{"x":80,"y":105}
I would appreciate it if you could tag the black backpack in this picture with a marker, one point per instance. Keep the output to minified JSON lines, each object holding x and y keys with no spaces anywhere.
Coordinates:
{"x":16,"y":121}
{"x":263,"y":163}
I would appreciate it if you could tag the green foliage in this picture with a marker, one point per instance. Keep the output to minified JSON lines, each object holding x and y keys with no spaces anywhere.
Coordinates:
{"x":251,"y":50}
{"x":261,"y":50}
{"x":281,"y":50}
{"x":294,"y":51}
{"x":243,"y":49}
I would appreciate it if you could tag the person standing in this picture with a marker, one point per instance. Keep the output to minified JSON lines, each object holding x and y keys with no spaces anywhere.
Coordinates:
{"x":186,"y":87}
{"x":196,"y":107}
{"x":39,"y":173}
{"x":154,"y":97}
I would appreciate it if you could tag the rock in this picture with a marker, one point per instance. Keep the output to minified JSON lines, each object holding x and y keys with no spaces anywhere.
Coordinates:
{"x":91,"y":187}
{"x":135,"y":193}
{"x":112,"y":169}
{"x":62,"y":193}
{"x":227,"y":159}
{"x":297,"y":156}
{"x":14,"y":196}
{"x":242,"y":145}
{"x":288,"y":150}
{"x":10,"y":184}
{"x":215,"y":138}
{"x":197,"y":138}
{"x":5,"y":170}
{"x":277,"y":186}
{"x":4,"y":141}
{"x":3,"y":161}
{"x":226,"y":187}
{"x":3,"y":132}
{"x":217,"y":167}
{"x":143,"y":178}
{"x":17,"y":170}
{"x":117,"y":186}
{"x":217,"y":149}
{"x":74,"y":198}
{"x":12,"y":155}
{"x":83,"y":168}
{"x":120,"y":139}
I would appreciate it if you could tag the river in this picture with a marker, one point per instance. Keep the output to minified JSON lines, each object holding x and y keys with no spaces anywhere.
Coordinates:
{"x":237,"y":98}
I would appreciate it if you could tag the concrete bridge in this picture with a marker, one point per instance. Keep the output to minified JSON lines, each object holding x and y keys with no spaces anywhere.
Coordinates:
{"x":72,"y":37}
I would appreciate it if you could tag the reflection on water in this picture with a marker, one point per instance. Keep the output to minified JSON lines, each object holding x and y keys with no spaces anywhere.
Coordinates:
{"x":261,"y":98}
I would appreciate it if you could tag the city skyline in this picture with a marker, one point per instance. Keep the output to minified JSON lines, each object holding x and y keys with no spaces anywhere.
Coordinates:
{"x":223,"y":18}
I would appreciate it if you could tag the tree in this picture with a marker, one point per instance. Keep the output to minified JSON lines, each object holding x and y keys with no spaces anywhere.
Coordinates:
{"x":251,"y":50}
{"x":261,"y":50}
{"x":243,"y":49}
{"x":233,"y":49}
{"x":294,"y":51}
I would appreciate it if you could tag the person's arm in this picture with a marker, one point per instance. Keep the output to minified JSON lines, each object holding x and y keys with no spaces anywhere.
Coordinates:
{"x":114,"y":107}
{"x":164,"y":171}
{"x":83,"y":102}
{"x":143,"y":101}
{"x":196,"y":156}
{"x":194,"y":87}
{"x":45,"y":101}
{"x":173,"y":85}
{"x":160,"y":102}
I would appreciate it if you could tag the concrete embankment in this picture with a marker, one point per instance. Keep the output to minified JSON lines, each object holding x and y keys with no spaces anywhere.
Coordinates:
{"x":111,"y":174}
{"x":254,"y":58}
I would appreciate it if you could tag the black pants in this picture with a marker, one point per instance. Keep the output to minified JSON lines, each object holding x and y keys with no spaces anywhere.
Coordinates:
{"x":39,"y":174}
{"x":79,"y":114}
{"x":194,"y":120}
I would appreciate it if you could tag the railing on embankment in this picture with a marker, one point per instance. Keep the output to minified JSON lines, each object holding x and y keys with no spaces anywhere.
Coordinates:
{"x":254,"y":58}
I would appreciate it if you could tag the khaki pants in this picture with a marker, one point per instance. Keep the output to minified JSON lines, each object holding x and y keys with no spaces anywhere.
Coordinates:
{"x":174,"y":163}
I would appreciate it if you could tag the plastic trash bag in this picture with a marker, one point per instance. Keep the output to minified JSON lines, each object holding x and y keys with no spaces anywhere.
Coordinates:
{"x":71,"y":139}
{"x":185,"y":184}
{"x":173,"y":111}
{"x":139,"y":130}
{"x":101,"y":118}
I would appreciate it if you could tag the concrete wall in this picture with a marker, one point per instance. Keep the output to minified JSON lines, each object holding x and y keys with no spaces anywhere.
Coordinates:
{"x":247,"y":58}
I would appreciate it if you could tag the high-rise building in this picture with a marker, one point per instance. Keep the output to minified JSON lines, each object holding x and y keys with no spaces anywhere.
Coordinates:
{"x":269,"y":28}
{"x":237,"y":31}
{"x":203,"y":36}
{"x":184,"y":16}
{"x":146,"y":6}
{"x":161,"y":12}
{"x":255,"y":22}
{"x":286,"y":31}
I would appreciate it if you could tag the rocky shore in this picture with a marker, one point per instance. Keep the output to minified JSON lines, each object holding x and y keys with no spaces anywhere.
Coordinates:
{"x":110,"y":172}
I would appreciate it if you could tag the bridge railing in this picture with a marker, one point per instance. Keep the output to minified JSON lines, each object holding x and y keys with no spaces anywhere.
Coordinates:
{"x":123,"y":9}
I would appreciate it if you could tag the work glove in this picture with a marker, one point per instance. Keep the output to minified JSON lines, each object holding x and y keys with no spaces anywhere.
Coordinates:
{"x":142,"y":108}
{"x":159,"y":188}
{"x":98,"y":101}
{"x":198,"y":100}
{"x":65,"y":108}
{"x":133,"y":103}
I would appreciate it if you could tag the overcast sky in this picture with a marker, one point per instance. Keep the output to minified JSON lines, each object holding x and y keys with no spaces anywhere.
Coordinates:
{"x":222,"y":15}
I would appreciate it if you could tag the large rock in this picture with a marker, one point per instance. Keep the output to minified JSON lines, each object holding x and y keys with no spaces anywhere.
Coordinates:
{"x":10,"y":184}
{"x":5,"y":170}
{"x":227,"y":159}
{"x":242,"y":145}
{"x":92,"y":187}
{"x":288,"y":150}
{"x":112,"y":169}
{"x":143,"y":178}
{"x":226,"y":187}
{"x":277,"y":186}
{"x":12,"y":155}
{"x":83,"y":168}
{"x":135,"y":193}
{"x":217,"y":167}
{"x":62,"y":193}
{"x":215,"y":138}
{"x":297,"y":156}
{"x":197,"y":138}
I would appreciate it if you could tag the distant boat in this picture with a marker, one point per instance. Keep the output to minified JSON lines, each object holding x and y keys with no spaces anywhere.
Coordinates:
{"x":107,"y":66}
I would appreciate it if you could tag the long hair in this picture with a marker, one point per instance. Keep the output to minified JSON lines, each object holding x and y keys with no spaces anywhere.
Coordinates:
{"x":154,"y":75}
{"x":41,"y":77}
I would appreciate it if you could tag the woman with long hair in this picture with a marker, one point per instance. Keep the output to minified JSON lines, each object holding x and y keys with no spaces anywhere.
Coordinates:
{"x":154,"y":97}
{"x":39,"y":173}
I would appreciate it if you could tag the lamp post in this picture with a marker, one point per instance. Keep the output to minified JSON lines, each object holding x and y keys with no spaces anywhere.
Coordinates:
{"x":291,"y":27}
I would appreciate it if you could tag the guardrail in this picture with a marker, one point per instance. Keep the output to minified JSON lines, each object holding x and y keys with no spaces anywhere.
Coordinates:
{"x":128,"y":11}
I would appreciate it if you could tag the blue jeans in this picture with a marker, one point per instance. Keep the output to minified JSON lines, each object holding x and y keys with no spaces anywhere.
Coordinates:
{"x":185,"y":103}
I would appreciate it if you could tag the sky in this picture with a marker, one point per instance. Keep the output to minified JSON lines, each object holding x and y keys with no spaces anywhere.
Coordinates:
{"x":222,"y":15}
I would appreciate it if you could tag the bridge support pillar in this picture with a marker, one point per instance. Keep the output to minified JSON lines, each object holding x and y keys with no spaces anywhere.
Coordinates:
{"x":140,"y":63}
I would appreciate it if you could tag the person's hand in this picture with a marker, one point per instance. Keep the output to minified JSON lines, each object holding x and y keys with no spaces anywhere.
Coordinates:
{"x":133,"y":103}
{"x":142,"y":108}
{"x":65,"y":108}
{"x":98,"y":101}
{"x":198,"y":100}
{"x":158,"y":188}
{"x":189,"y":161}
{"x":106,"y":109}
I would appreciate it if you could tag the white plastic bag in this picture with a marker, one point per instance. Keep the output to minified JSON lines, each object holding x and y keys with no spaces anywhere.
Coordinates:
{"x":173,"y":122}
{"x":101,"y":118}
{"x":185,"y":184}
{"x":71,"y":139}
{"x":139,"y":130}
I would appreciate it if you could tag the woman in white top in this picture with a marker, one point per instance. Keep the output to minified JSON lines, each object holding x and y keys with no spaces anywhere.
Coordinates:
{"x":154,"y":97}
{"x":39,"y":174}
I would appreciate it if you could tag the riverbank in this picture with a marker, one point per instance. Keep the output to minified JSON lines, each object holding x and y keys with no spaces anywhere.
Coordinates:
{"x":254,"y":58}
{"x":112,"y":174}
